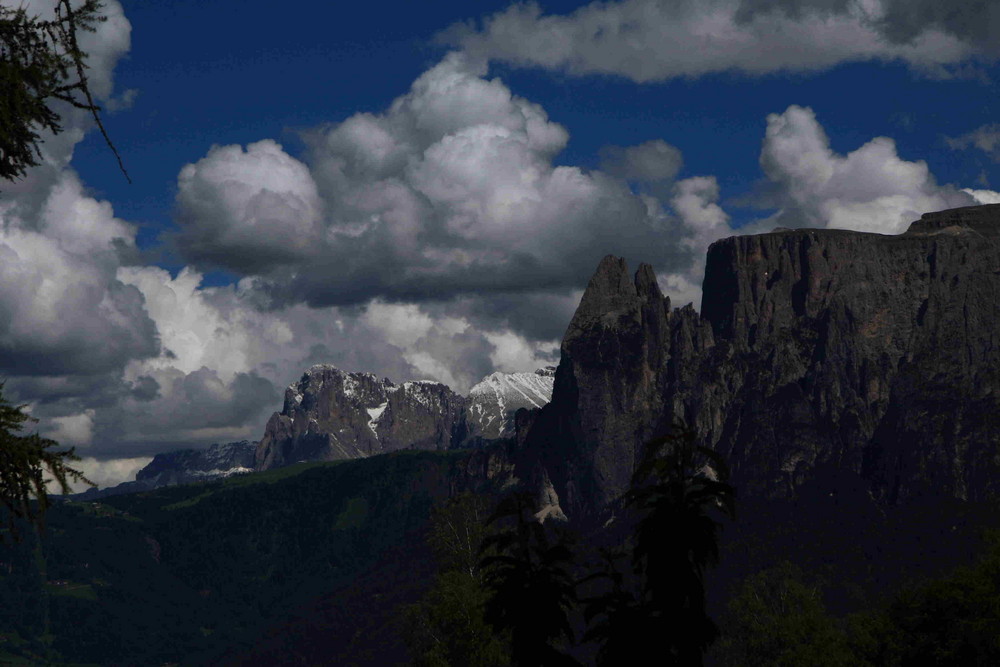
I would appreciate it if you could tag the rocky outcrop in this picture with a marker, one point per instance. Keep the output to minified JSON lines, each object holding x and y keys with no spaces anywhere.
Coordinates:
{"x":820,"y":356}
{"x":330,"y":414}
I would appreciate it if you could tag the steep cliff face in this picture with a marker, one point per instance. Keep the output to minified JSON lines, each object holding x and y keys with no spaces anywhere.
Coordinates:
{"x":330,"y":414}
{"x":611,"y":388}
{"x":820,"y":356}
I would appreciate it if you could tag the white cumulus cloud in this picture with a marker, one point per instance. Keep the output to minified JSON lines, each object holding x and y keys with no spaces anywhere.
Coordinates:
{"x":869,"y":189}
{"x":983,"y":196}
{"x":248,"y":209}
{"x":62,"y":307}
{"x":452,"y":190}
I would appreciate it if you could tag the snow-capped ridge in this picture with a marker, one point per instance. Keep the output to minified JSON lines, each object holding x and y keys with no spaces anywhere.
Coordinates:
{"x":332,"y":414}
{"x":495,"y":400}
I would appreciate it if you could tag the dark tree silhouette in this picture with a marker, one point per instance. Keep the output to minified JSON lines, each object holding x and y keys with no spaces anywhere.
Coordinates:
{"x":40,"y":64}
{"x":676,"y":494}
{"x":24,"y":462}
{"x":532,"y":588}
{"x":617,"y":619}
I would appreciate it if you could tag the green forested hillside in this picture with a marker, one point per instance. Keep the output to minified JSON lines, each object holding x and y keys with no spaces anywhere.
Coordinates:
{"x":186,"y":574}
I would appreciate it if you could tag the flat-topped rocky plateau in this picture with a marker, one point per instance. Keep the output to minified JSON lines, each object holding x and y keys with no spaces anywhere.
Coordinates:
{"x":860,"y":363}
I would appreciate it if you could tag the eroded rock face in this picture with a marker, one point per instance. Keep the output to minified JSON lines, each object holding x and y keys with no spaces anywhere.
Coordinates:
{"x":819,"y":355}
{"x":330,"y":414}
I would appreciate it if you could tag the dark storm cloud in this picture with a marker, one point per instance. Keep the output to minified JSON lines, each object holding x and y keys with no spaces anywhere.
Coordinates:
{"x":748,"y":10}
{"x":212,"y":403}
{"x":96,"y":329}
{"x":651,"y":162}
{"x":145,"y":388}
{"x":194,"y":407}
{"x":974,"y":21}
{"x":62,"y":308}
{"x":650,"y":40}
{"x":539,"y":316}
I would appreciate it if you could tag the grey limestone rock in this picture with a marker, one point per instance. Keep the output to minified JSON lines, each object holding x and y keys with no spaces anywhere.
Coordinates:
{"x":330,"y":414}
{"x":187,"y":465}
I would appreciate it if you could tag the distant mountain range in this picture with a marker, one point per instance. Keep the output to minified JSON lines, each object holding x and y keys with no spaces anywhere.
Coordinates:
{"x":492,"y":403}
{"x":330,"y":414}
{"x":184,"y":466}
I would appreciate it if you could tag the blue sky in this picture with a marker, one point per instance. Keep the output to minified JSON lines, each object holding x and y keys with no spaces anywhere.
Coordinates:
{"x":421,"y":190}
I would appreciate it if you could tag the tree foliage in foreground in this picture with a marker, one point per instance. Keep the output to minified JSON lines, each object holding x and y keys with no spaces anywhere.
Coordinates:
{"x":532,"y":579}
{"x":41,"y":63}
{"x":529,"y":576}
{"x":678,"y":494}
{"x":949,"y":621}
{"x":24,"y":462}
{"x":448,"y":627}
{"x":777,"y":617}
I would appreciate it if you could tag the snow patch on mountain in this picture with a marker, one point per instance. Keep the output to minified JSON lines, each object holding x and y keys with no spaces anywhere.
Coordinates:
{"x":375,"y":414}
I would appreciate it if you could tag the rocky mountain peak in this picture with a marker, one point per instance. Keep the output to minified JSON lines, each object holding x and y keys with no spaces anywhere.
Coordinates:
{"x":184,"y":466}
{"x":219,"y":460}
{"x":607,"y":292}
{"x":331,"y":414}
{"x":646,"y":286}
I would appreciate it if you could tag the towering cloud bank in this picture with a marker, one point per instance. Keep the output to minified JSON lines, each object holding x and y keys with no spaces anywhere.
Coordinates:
{"x":451,"y":191}
{"x":869,"y":189}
